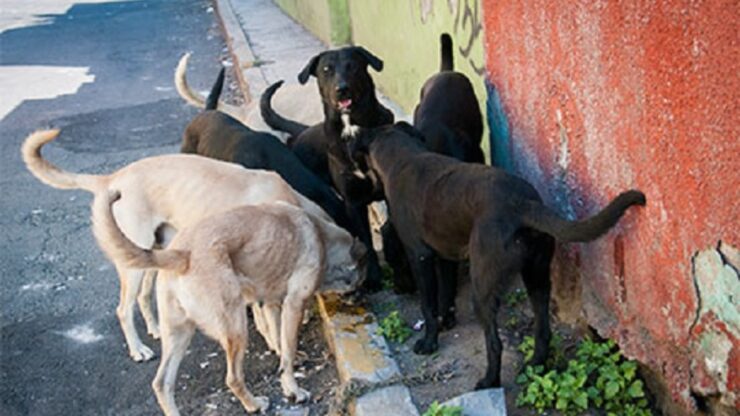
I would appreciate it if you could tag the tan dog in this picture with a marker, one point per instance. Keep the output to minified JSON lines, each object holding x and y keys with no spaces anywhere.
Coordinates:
{"x":164,"y":193}
{"x":271,"y":253}
{"x":300,"y":103}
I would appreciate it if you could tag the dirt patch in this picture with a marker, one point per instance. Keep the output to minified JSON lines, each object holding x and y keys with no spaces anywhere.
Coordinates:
{"x":201,"y":388}
{"x":461,"y":359}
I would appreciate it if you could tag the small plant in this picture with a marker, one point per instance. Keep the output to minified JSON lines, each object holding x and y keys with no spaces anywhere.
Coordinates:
{"x":387,"y":277}
{"x":394,"y":328}
{"x":599,"y":376}
{"x":435,"y":409}
{"x":554,"y":358}
{"x":515,"y":297}
{"x":512,"y":322}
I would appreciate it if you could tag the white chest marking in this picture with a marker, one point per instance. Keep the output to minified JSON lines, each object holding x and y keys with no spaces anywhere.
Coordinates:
{"x":350,"y":130}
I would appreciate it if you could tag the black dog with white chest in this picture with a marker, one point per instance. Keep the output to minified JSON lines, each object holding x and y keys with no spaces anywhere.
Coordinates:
{"x":348,"y":96}
{"x":446,"y":210}
{"x":219,"y":136}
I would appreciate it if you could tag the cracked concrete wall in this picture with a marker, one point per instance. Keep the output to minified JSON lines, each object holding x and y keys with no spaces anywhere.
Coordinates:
{"x":586,"y":99}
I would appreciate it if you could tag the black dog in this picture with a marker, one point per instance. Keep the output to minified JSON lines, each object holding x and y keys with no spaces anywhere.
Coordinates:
{"x":348,"y":95}
{"x":447,"y":114}
{"x":446,"y":210}
{"x":450,"y":121}
{"x":219,"y":136}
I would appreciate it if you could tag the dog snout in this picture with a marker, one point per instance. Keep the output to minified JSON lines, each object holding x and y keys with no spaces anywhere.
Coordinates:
{"x":342,"y":89}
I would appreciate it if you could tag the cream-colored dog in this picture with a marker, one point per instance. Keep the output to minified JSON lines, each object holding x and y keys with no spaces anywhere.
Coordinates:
{"x":275,"y":254}
{"x":161,"y":195}
{"x":301,"y":103}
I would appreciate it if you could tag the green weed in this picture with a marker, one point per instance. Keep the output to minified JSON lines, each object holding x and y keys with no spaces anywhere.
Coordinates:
{"x":393,"y":328}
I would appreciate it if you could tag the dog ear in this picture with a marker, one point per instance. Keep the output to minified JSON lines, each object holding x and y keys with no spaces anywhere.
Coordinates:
{"x":309,"y":69}
{"x":372,"y":60}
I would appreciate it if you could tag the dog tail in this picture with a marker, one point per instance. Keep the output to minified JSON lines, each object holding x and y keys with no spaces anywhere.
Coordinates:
{"x":188,"y":94}
{"x":120,"y":248}
{"x":275,"y":120}
{"x":50,"y":174}
{"x":541,"y":218}
{"x":218,"y":86}
{"x":446,"y":61}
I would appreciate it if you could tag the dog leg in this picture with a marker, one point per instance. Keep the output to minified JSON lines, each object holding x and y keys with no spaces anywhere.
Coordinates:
{"x":130,"y":285}
{"x":447,"y":283}
{"x":422,"y":266}
{"x":373,"y":281}
{"x":271,"y":313}
{"x":235,"y":345}
{"x":536,"y":277}
{"x":487,"y":309}
{"x":145,"y":303}
{"x":289,"y":324}
{"x":259,"y":322}
{"x":175,"y":340}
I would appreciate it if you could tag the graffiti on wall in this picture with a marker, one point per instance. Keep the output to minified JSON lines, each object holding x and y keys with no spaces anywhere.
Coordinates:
{"x":467,"y":26}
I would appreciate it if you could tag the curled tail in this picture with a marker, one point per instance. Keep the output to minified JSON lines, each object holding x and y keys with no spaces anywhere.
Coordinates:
{"x":446,"y":62}
{"x":212,"y":100}
{"x":541,"y":218}
{"x":121,"y":249}
{"x":187,"y":93}
{"x":275,"y":120}
{"x":50,"y":174}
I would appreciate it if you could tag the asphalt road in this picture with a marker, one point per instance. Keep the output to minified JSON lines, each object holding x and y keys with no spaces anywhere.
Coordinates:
{"x":62,"y":351}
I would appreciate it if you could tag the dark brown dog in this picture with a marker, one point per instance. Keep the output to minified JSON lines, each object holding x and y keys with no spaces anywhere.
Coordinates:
{"x":445,"y":210}
{"x":348,"y":96}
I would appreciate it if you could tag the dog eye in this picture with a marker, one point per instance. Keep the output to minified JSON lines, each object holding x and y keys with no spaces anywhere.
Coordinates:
{"x":327,"y":69}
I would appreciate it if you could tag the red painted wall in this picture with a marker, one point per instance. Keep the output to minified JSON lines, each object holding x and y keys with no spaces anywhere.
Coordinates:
{"x":647,"y":94}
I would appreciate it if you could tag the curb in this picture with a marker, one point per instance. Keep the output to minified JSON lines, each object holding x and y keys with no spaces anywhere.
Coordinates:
{"x":369,"y":375}
{"x":250,"y":79}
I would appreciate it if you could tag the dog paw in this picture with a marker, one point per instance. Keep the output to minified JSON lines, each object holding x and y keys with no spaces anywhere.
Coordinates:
{"x":141,"y":353}
{"x":425,"y":347}
{"x":261,"y":404}
{"x":154,"y":332}
{"x":486,"y":383}
{"x":300,"y":395}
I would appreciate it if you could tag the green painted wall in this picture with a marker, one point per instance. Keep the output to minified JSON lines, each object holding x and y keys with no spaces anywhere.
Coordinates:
{"x":327,"y":19}
{"x":405,"y":34}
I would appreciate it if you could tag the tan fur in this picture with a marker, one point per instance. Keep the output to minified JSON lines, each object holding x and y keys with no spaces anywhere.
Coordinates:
{"x":271,"y":253}
{"x":170,"y":191}
{"x":301,"y":103}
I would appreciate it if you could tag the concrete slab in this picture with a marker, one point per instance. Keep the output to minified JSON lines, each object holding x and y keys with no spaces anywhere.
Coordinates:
{"x":362,"y":355}
{"x":489,"y":402}
{"x":393,"y":400}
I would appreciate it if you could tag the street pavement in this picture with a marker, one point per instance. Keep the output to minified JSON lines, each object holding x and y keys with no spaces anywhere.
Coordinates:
{"x":102,"y":72}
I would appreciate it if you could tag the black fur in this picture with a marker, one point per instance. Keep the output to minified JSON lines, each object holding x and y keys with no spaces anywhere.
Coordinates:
{"x":212,"y":99}
{"x":448,"y":114}
{"x":445,"y":210}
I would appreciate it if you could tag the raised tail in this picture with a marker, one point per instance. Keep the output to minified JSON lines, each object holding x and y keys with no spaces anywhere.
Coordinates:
{"x":212,"y":100}
{"x":193,"y":98}
{"x":275,"y":120}
{"x":543,"y":219}
{"x":445,"y":51}
{"x":50,"y":174}
{"x":121,"y":249}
